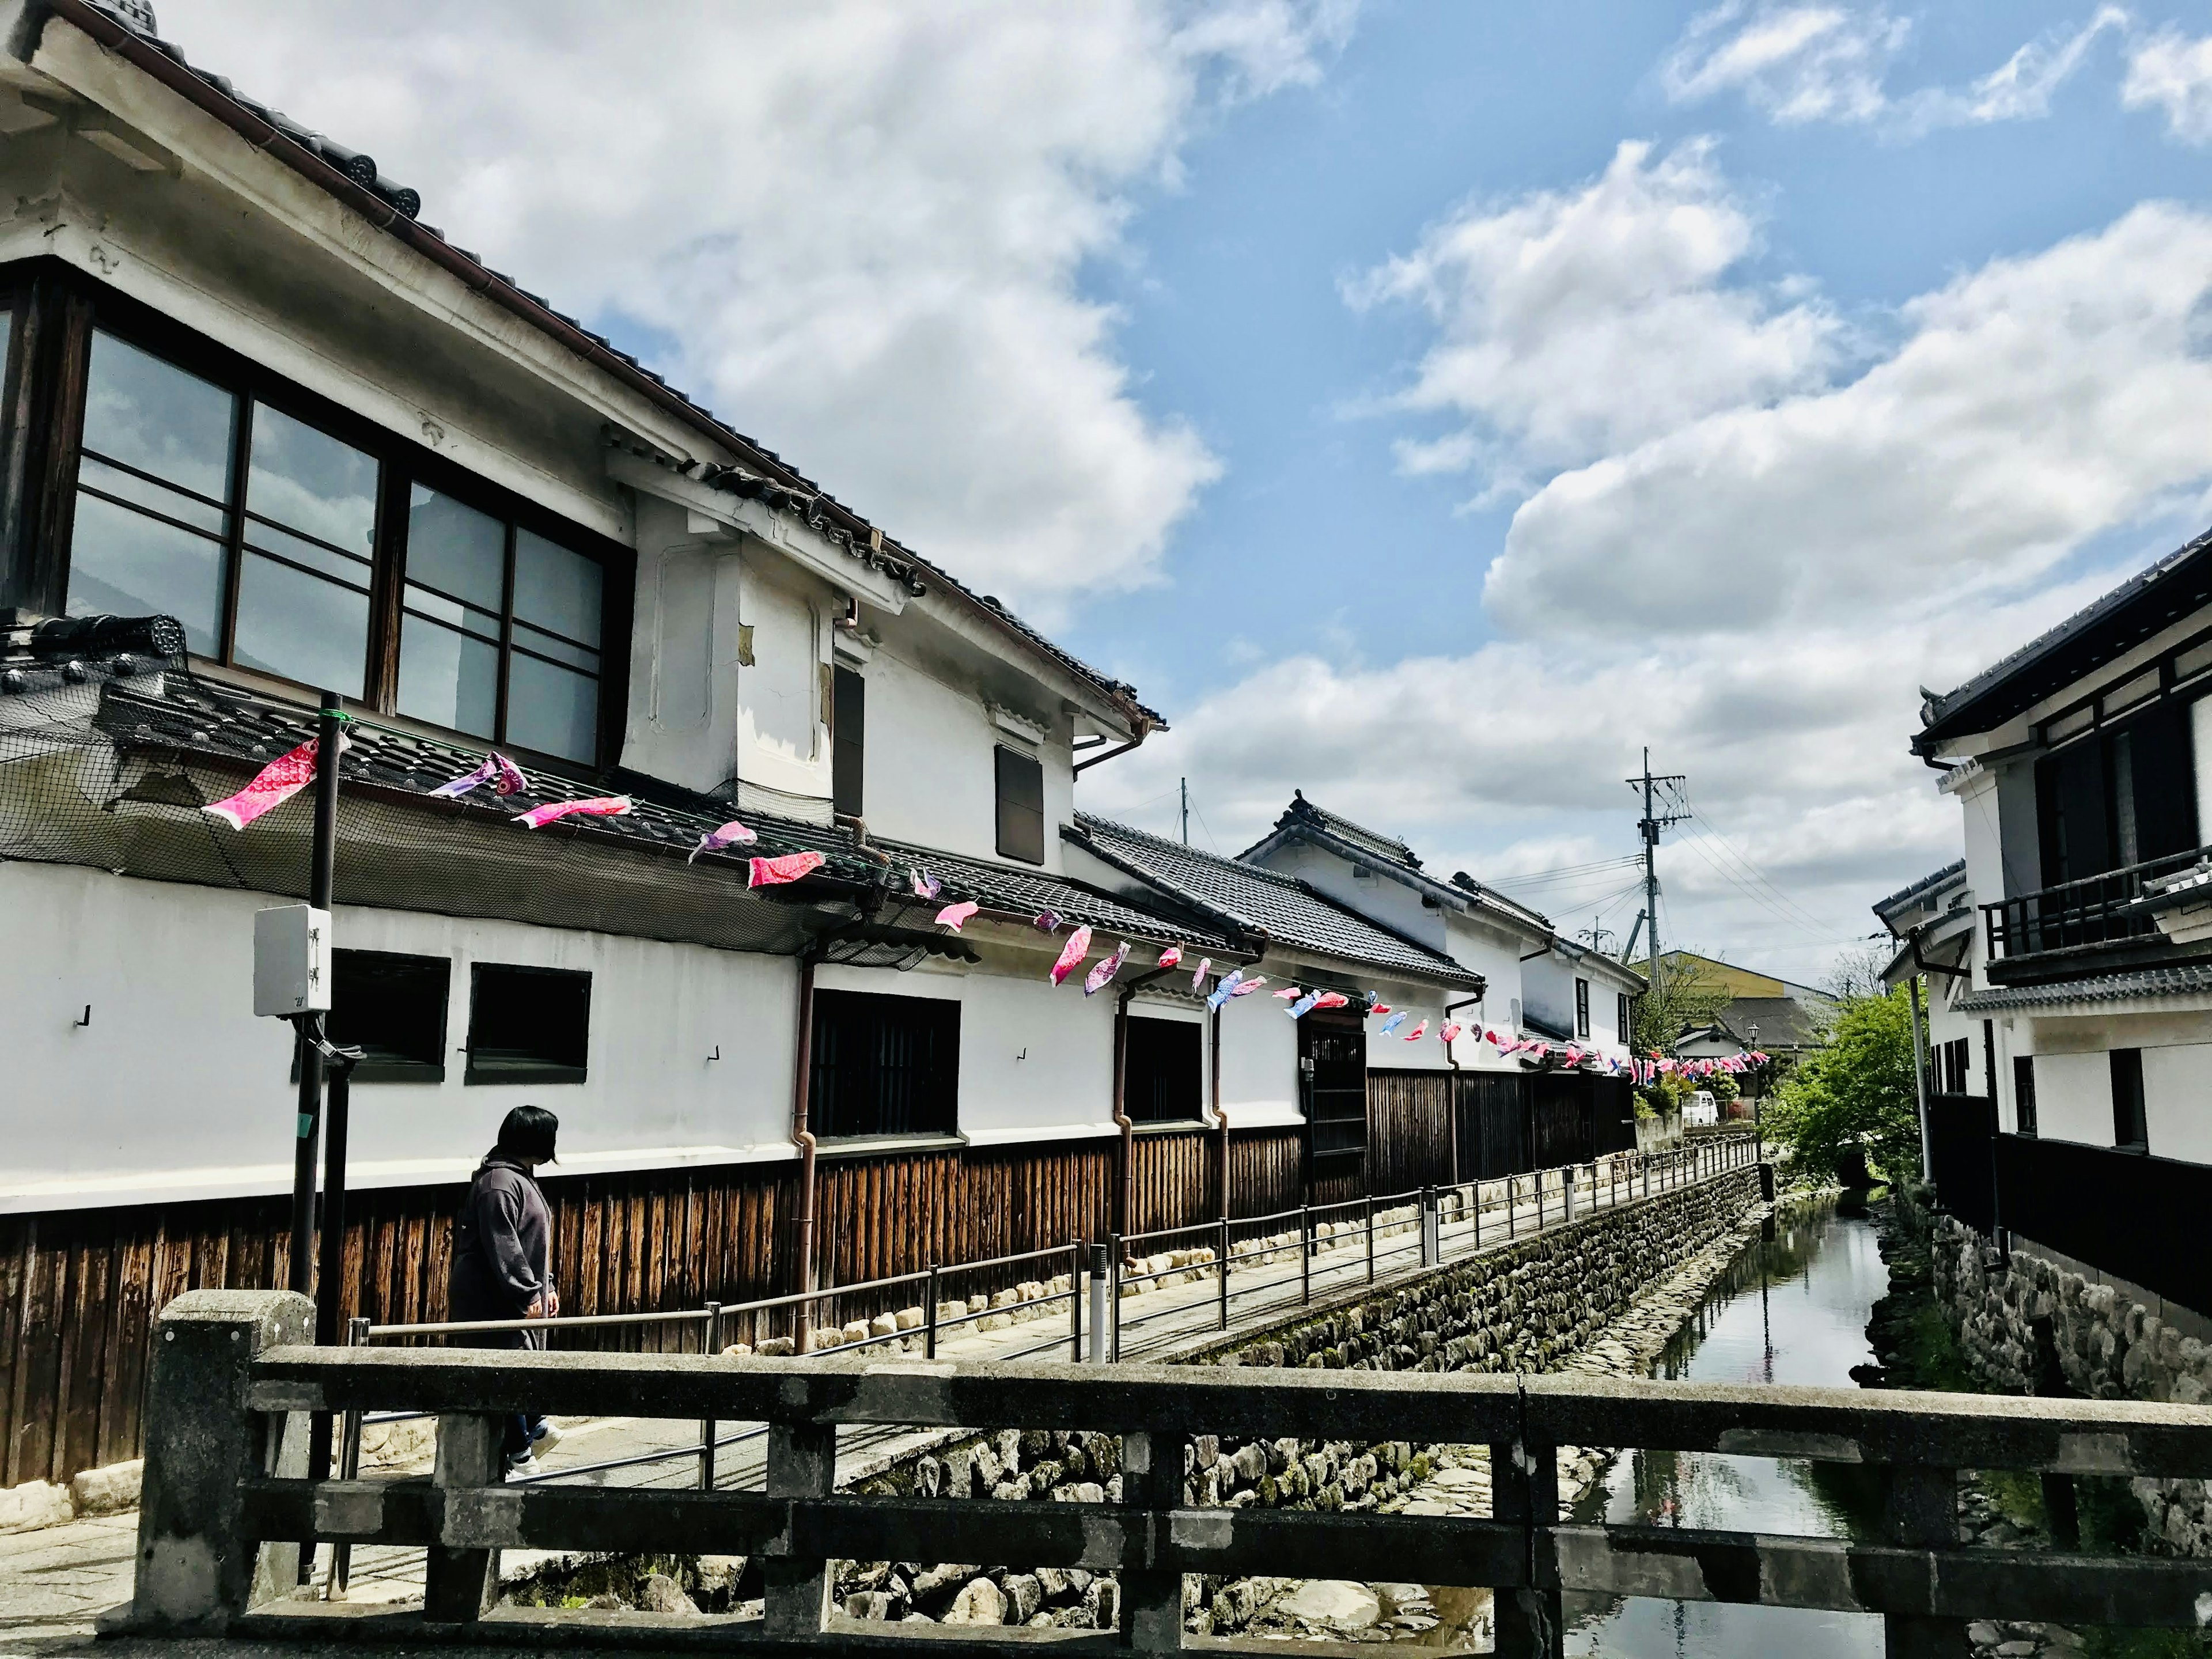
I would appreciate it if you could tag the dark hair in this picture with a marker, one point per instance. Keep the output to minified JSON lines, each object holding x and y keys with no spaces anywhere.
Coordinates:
{"x":528,"y":1131}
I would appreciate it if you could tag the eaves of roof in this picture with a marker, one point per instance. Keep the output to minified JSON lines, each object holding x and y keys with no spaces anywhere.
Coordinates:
{"x":2147,"y":984}
{"x":166,"y":63}
{"x":2143,"y":605}
{"x":1358,"y":853}
{"x":1927,"y":884}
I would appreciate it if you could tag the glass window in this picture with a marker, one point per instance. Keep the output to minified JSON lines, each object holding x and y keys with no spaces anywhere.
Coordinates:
{"x":449,"y":631}
{"x":553,"y":681}
{"x":1021,"y":806}
{"x":310,"y":536}
{"x":154,"y":491}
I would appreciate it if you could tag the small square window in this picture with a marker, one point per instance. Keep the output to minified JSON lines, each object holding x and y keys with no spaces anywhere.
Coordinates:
{"x":527,"y":1025}
{"x":393,"y":1009}
{"x":1162,"y":1071}
{"x":2023,"y":1093}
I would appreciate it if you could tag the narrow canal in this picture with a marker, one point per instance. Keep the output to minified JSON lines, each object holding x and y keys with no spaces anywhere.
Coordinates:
{"x":1793,"y":1309}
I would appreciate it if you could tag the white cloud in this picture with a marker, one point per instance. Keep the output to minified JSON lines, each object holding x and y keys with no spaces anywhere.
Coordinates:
{"x":1797,"y":63}
{"x":860,"y":224}
{"x":1801,"y":64}
{"x":1573,"y":323}
{"x":2170,"y":72}
{"x":2032,"y":404}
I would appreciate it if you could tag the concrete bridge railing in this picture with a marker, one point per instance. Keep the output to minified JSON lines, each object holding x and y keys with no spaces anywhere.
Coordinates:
{"x":227,"y":1508}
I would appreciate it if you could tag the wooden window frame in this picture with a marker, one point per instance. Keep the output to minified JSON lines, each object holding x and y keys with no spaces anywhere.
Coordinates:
{"x":2023,"y":1096}
{"x":1582,"y":1011}
{"x":848,"y":707}
{"x":1000,"y":755}
{"x":833,"y":1011}
{"x":1140,"y":1112}
{"x":548,"y":1072}
{"x":57,"y":309}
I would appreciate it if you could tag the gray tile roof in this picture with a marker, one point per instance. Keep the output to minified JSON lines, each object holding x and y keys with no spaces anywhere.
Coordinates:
{"x":182,"y":714}
{"x":126,"y":28}
{"x":2105,"y":988}
{"x":1248,"y":898}
{"x":1927,"y":884}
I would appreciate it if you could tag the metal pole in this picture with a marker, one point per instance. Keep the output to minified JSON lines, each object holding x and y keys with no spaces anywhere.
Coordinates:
{"x":1567,"y":1193}
{"x":1099,"y":1315}
{"x":1221,"y":1287}
{"x":1477,"y":1190}
{"x":311,"y":1026}
{"x":1371,"y":1238}
{"x":349,"y":1469}
{"x":1114,"y":1293}
{"x":1512,"y":1206}
{"x":1074,"y":1301}
{"x":1305,"y":1253}
{"x":929,"y":1318}
{"x":331,"y":1272}
{"x":711,"y":1338}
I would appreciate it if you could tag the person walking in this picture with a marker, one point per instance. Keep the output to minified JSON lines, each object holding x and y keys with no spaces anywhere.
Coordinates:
{"x":503,"y":1258}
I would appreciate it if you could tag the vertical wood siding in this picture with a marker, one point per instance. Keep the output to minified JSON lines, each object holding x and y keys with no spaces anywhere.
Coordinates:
{"x":79,"y":1289}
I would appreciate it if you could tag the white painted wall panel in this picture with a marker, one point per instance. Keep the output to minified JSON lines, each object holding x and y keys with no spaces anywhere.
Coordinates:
{"x":175,"y":1088}
{"x":2074,"y":1097}
{"x":2178,"y":1099}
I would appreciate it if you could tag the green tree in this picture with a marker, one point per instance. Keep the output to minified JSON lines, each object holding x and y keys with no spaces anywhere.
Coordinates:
{"x":1856,"y":1091}
{"x":1689,"y":994}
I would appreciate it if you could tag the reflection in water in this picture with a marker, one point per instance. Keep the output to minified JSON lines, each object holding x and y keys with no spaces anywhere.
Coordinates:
{"x":1791,"y":1310}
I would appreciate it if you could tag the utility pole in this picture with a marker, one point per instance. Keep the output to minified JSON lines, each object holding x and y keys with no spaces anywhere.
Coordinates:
{"x":1185,"y":782}
{"x":1649,"y":827}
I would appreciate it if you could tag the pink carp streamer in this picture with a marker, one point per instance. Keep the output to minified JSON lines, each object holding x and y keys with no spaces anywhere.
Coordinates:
{"x":1171,"y":956}
{"x":1417,"y":1032}
{"x":955,"y":916}
{"x":1098,"y":978}
{"x":272,"y":785}
{"x":792,"y":866}
{"x":504,"y":776}
{"x":731,"y":834}
{"x":1077,"y":948}
{"x":1245,"y":988}
{"x":926,"y":885}
{"x":602,"y":807}
{"x":1198,"y":978}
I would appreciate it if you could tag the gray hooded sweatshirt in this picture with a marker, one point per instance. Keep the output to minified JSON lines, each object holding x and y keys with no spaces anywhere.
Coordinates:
{"x":502,"y":1248}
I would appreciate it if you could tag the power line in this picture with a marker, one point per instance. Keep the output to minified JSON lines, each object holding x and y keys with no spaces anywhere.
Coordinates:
{"x":1743,"y":862}
{"x":1798,"y":922}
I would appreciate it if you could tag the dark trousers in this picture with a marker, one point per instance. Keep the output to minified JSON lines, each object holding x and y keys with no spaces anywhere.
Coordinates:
{"x":522,"y":1427}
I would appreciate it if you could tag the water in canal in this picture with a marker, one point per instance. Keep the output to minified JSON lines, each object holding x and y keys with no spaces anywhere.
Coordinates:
{"x":1791,"y":1310}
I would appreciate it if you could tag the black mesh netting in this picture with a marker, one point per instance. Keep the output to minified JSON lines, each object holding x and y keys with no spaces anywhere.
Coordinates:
{"x":106,"y":760}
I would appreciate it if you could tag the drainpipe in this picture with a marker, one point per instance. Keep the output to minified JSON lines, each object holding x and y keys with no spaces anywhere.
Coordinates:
{"x":1920,"y":1079}
{"x":1452,"y":1061}
{"x":803,"y":1082}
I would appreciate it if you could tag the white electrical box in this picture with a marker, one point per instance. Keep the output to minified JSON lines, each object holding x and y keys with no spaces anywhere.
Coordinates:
{"x":291,"y":961}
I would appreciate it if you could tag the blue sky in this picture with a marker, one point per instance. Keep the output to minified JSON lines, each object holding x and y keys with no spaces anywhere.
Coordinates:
{"x":1426,"y":405}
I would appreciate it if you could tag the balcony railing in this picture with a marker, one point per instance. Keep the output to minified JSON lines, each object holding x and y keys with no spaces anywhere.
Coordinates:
{"x":2075,"y":915}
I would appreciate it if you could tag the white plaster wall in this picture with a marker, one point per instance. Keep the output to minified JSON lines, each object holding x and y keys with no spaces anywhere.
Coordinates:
{"x":1034,"y":1055}
{"x":1977,"y":800}
{"x":1391,"y":902}
{"x":177,"y":1089}
{"x":1259,"y":1062}
{"x":1547,"y":990}
{"x":2177,"y":1101}
{"x":2074,"y":1097}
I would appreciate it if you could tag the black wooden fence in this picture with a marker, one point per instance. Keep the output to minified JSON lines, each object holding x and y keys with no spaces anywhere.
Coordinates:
{"x":2133,"y":1216}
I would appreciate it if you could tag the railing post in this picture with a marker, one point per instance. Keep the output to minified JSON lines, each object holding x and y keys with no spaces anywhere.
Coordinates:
{"x":1371,"y":1238}
{"x":1920,"y":1510}
{"x":1646,"y":1159}
{"x":1539,"y":1201}
{"x":357,"y":1329}
{"x":1114,"y":1294}
{"x":802,"y":1463}
{"x":1567,"y":1193}
{"x":712,"y":1341}
{"x":1524,"y":1492}
{"x":1221,"y":1285}
{"x":1075,"y":1301}
{"x":929,"y":1317}
{"x":198,"y":1570}
{"x":461,"y":1578}
{"x":1152,"y":1600}
{"x":1512,"y":1206}
{"x":1102,"y":1313}
{"x":1477,"y":1190}
{"x":1305,"y":1253}
{"x":1431,"y":1236}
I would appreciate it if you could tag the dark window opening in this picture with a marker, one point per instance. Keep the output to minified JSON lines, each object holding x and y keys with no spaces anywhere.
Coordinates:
{"x":2131,"y":1126}
{"x":1021,"y":806}
{"x":2023,"y":1093}
{"x":884,"y":1066}
{"x":1620,"y":1025}
{"x":2118,"y":798}
{"x":393,"y":1009}
{"x":528,"y":1024}
{"x":1581,"y":1008}
{"x":1333,"y":1071}
{"x":848,"y":738}
{"x":1953,"y":1064}
{"x":1162,"y":1071}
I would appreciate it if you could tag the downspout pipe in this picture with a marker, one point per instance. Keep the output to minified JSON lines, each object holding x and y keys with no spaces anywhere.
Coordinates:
{"x":802,"y":1087}
{"x":1220,"y":1113}
{"x":1452,"y":1061}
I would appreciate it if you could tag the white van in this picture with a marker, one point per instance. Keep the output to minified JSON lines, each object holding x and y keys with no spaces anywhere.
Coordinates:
{"x":1700,"y":1110}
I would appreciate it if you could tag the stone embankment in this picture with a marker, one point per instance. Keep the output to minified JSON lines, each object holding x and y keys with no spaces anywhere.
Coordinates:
{"x":2106,"y":1345}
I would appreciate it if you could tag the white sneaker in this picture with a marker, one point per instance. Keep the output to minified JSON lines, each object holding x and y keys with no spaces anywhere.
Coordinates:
{"x":546,"y":1439}
{"x":518,"y":1469}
